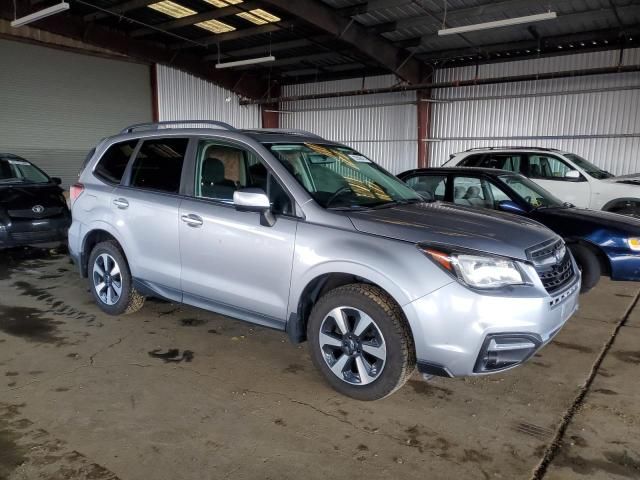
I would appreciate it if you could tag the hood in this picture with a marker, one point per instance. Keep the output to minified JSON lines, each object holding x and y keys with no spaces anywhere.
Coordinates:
{"x":482,"y":230}
{"x":582,"y":221}
{"x":631,"y":179}
{"x":22,"y":198}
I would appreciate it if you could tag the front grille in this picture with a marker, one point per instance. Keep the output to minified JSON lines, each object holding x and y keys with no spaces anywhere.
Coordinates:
{"x":29,"y":213}
{"x":557,"y":275}
{"x":35,"y":236}
{"x":553,"y":274}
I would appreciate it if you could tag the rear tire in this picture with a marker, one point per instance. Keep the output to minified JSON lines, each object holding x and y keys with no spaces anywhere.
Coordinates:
{"x":373,"y":354}
{"x":589,"y":264}
{"x":110,"y":280}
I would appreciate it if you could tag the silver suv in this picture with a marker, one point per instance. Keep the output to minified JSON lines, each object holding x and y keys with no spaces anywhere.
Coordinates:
{"x":287,"y":230}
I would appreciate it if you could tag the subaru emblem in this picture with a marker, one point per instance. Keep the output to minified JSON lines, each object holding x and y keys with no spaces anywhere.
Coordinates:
{"x":37,"y":209}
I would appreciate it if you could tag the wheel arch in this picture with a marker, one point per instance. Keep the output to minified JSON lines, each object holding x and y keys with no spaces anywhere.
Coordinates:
{"x":603,"y":259}
{"x":321,"y":283}
{"x":622,"y":200}
{"x":99,"y":233}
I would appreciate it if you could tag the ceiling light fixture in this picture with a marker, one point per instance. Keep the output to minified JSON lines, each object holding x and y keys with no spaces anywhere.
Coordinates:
{"x":248,"y":61}
{"x":40,"y":14}
{"x":172,"y":9}
{"x":498,"y":23}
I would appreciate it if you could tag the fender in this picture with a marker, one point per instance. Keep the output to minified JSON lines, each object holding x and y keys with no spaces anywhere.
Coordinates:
{"x":87,"y":229}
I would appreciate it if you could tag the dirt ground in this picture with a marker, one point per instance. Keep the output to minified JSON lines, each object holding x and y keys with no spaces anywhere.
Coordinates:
{"x":87,"y":396}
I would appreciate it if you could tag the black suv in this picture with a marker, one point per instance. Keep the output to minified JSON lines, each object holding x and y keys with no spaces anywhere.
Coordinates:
{"x":32,"y":207}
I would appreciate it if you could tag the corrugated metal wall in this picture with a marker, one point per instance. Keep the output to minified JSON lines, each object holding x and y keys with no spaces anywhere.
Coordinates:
{"x":56,"y":105}
{"x":386,"y":134}
{"x":602,"y":126}
{"x":184,"y":97}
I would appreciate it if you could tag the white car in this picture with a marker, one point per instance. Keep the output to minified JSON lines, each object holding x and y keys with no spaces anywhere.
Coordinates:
{"x":567,"y":175}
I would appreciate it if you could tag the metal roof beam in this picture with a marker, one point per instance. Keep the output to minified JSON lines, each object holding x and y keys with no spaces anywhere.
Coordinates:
{"x":74,"y":27}
{"x":372,"y":45}
{"x":554,"y":41}
{"x":234,"y":35}
{"x":120,"y":8}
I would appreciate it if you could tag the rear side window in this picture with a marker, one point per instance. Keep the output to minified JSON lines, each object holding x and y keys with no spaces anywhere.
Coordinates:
{"x":471,"y":160}
{"x":431,"y":187}
{"x":113,"y":163}
{"x":510,"y":162}
{"x":158,"y":164}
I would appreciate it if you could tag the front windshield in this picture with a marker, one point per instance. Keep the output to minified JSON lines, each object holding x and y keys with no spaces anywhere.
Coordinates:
{"x":588,"y":167}
{"x":17,"y":170}
{"x":339,"y":177}
{"x":532,"y":193}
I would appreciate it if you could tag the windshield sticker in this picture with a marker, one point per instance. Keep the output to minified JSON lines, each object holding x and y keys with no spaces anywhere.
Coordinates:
{"x":359,"y":158}
{"x":18,"y":162}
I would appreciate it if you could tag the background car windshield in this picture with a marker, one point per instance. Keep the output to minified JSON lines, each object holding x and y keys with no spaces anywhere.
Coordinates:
{"x":16,"y":170}
{"x":588,"y":167}
{"x":340,"y":177}
{"x":532,"y":193}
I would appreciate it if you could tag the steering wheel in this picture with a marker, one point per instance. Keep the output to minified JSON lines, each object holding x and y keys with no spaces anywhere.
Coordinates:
{"x":337,"y":193}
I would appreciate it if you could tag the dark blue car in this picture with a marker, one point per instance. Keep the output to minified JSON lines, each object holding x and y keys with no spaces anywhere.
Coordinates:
{"x":602,"y":243}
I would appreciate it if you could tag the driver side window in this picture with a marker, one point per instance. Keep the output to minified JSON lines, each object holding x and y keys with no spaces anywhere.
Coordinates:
{"x":223,"y":169}
{"x":546,"y":167}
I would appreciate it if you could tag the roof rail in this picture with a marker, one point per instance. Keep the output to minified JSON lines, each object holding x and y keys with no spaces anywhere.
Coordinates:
{"x":290,"y":131}
{"x":513,"y":147}
{"x":159,"y":125}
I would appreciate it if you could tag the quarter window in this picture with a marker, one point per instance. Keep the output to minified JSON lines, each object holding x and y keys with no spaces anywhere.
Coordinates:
{"x":158,"y":165}
{"x":471,"y":160}
{"x":114,"y":162}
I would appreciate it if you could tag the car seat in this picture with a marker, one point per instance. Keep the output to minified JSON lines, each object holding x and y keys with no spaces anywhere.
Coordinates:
{"x":473,"y":197}
{"x":458,"y":196}
{"x":214,"y":183}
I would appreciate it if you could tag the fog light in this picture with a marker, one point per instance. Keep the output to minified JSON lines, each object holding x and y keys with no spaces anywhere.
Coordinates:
{"x":500,"y":351}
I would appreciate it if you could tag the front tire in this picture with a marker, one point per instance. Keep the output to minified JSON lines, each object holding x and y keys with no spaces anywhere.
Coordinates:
{"x":110,"y":279}
{"x":588,"y":264}
{"x":361,"y":342}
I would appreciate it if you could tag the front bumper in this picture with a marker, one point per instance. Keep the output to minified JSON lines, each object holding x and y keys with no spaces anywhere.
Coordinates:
{"x":453,"y":327}
{"x":34,"y":231}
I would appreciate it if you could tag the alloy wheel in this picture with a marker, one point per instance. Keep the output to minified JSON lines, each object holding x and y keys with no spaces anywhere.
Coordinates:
{"x":107,"y":279}
{"x":352,"y":345}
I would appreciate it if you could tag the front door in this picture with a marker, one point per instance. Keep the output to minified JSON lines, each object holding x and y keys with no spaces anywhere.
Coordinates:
{"x":230,"y":262}
{"x":549,"y":172}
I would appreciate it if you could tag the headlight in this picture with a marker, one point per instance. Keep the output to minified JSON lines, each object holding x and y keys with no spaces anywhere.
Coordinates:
{"x":477,"y":271}
{"x":634,"y":244}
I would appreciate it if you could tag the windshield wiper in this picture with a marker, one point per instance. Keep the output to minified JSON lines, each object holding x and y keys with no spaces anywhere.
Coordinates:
{"x":395,"y":203}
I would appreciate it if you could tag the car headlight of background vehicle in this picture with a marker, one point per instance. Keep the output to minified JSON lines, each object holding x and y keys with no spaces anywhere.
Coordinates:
{"x":634,"y":243}
{"x":478,"y":271}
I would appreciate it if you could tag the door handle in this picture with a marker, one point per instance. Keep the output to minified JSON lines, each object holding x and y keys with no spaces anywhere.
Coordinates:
{"x":192,"y":220}
{"x":121,"y":203}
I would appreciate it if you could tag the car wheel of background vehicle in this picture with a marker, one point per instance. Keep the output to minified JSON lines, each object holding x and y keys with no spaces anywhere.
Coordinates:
{"x":361,"y":342}
{"x":588,"y":264}
{"x":110,"y":280}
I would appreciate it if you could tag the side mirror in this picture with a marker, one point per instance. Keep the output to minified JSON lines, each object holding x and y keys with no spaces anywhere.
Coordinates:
{"x":254,"y":200}
{"x":572,"y":174}
{"x":511,"y":207}
{"x":56,"y":180}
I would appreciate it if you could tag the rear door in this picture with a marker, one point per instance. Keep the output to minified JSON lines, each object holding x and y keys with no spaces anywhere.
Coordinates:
{"x":230,"y":262}
{"x":549,"y":171}
{"x":146,"y":206}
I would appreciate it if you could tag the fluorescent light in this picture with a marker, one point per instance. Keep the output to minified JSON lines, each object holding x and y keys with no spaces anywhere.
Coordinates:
{"x":215,"y":26}
{"x":40,"y":14}
{"x":258,"y":16}
{"x":172,"y":9}
{"x":249,"y":61}
{"x":222,"y":4}
{"x":499,"y":23}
